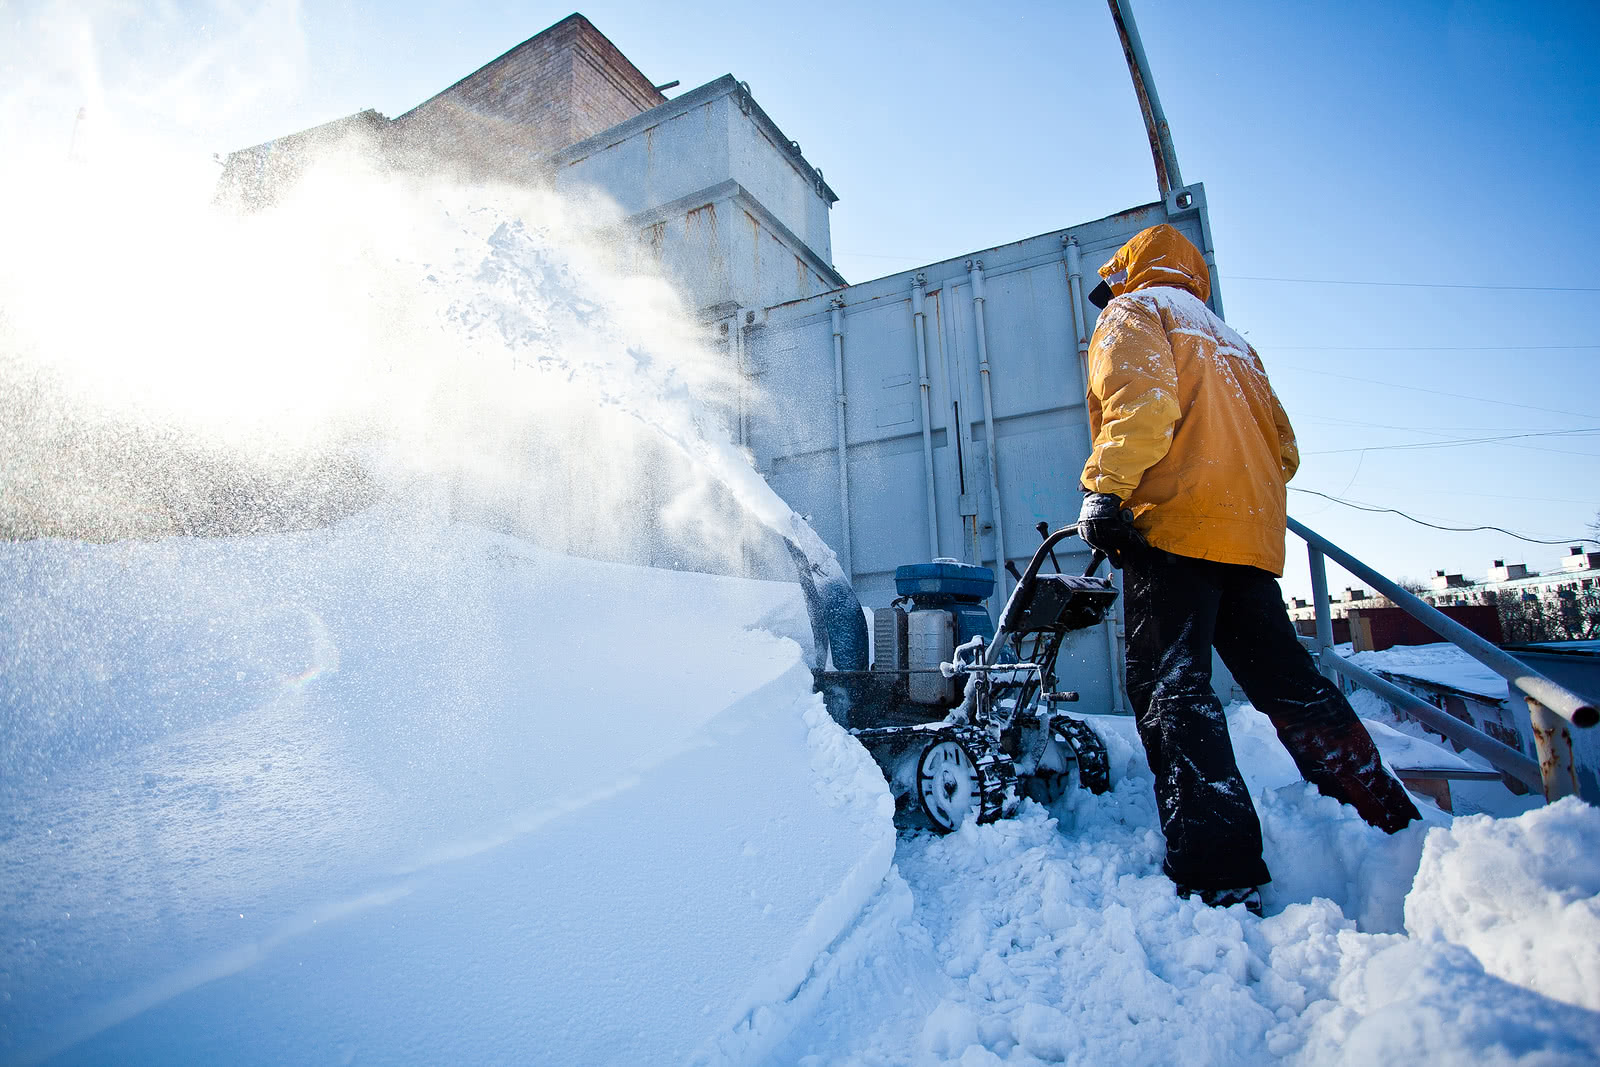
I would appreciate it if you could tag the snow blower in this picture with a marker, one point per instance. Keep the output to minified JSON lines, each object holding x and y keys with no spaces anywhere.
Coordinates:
{"x":963,"y":717}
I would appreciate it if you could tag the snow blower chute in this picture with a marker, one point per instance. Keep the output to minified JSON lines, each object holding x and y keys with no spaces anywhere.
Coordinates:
{"x":963,"y":717}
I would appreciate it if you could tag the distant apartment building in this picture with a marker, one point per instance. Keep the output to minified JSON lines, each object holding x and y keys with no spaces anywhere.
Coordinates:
{"x":1510,"y":603}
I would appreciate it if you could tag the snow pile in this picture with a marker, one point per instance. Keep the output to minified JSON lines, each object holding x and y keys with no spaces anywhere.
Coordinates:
{"x":1502,"y":888}
{"x":1441,"y":662}
{"x":1031,"y":942}
{"x":410,"y":791}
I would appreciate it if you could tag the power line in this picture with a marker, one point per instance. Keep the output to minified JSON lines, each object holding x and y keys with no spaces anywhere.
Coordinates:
{"x":1453,"y":442}
{"x":1432,"y":348}
{"x":1441,"y":392}
{"x":1435,"y":431}
{"x":1465,"y":492}
{"x":1418,"y":285}
{"x":1438,"y":432}
{"x":1436,"y":526}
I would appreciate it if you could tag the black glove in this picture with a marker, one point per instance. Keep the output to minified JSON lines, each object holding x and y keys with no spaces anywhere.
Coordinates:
{"x":1105,"y":525}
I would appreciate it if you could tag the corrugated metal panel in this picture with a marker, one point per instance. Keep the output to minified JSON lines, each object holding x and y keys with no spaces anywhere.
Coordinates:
{"x":1040,"y":427}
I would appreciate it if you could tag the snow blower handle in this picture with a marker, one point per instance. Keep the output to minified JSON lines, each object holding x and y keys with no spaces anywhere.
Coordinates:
{"x":1044,"y":535}
{"x":1022,"y":590}
{"x":1097,"y":558}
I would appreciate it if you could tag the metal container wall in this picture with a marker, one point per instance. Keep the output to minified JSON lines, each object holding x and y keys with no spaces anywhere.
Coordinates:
{"x":795,"y":361}
{"x":728,"y":206}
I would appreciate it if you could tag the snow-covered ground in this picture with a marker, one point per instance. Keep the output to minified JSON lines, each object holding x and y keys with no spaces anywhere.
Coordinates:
{"x":411,"y":792}
{"x":1440,"y":662}
{"x":1027,"y":942}
{"x":401,"y":791}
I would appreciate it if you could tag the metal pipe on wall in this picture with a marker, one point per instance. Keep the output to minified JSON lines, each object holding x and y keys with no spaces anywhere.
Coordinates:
{"x":1080,"y":328}
{"x":975,"y":276}
{"x":1552,"y":742}
{"x":736,"y":340}
{"x":1080,"y":323}
{"x":836,"y":310}
{"x":919,"y":286}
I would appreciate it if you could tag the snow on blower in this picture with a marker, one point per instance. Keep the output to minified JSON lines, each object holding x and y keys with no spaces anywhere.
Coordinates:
{"x":962,"y":716}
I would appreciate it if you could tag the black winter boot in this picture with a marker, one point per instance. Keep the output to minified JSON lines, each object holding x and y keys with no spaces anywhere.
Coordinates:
{"x":1249,"y":896}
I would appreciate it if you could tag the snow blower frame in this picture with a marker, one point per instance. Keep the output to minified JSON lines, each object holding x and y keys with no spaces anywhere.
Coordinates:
{"x":1001,"y":735}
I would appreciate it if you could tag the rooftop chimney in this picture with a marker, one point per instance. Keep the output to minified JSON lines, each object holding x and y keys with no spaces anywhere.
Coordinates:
{"x":1577,"y":559}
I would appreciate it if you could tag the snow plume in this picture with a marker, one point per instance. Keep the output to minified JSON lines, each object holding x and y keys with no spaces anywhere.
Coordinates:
{"x":144,"y":80}
{"x":168,"y":367}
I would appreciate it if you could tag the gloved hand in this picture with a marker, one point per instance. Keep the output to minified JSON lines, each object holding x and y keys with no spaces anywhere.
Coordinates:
{"x":1106,"y":526}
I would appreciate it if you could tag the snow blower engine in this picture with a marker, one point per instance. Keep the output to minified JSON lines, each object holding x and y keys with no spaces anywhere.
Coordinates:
{"x":965,"y":717}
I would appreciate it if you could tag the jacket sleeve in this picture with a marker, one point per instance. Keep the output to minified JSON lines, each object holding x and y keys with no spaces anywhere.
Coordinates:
{"x":1288,"y":450}
{"x":1133,"y":384}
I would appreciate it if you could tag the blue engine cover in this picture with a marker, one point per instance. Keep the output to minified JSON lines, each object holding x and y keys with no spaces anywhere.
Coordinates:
{"x":943,"y":582}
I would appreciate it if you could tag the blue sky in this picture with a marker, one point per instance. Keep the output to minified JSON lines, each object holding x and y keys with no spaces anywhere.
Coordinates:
{"x":1447,"y":143}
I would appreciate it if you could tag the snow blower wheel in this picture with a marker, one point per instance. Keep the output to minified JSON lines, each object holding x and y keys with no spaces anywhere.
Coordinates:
{"x":953,"y":786}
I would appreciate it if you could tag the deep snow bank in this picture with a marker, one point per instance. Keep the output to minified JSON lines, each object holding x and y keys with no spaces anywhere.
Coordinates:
{"x":411,"y":791}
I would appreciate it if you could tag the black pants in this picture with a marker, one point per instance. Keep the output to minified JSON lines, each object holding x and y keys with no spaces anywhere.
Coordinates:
{"x":1179,"y":608}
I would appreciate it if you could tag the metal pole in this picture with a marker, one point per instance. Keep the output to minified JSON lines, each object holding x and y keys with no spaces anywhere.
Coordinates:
{"x":1144,"y":87}
{"x":919,"y":286}
{"x":1552,"y":742}
{"x":836,"y":308}
{"x":975,"y":274}
{"x":1319,"y":600}
{"x":1559,"y":699}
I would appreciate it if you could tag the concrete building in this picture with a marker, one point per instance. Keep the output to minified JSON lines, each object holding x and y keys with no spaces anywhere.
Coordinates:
{"x":1561,"y":604}
{"x":714,"y":189}
{"x":1578,"y":572}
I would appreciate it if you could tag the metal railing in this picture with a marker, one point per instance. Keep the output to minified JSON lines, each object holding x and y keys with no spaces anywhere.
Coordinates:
{"x":1552,"y":708}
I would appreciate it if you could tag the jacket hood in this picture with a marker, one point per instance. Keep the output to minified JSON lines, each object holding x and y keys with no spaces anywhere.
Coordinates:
{"x":1159,"y":255}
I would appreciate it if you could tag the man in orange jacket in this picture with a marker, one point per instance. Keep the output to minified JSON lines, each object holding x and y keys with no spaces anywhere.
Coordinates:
{"x":1186,"y":491}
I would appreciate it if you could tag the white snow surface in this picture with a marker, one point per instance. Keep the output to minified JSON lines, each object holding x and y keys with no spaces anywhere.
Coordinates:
{"x":412,"y":793}
{"x":1441,"y":662}
{"x":1033,"y":942}
{"x":420,"y":793}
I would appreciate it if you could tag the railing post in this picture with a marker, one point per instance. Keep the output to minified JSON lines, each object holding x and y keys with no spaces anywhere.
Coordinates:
{"x":1319,"y":600}
{"x":1552,"y":743}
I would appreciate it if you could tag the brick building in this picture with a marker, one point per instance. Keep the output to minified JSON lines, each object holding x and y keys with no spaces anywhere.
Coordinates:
{"x":716,"y":192}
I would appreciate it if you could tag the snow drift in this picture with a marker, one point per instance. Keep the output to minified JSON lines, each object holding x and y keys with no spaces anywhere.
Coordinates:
{"x":438,"y":796}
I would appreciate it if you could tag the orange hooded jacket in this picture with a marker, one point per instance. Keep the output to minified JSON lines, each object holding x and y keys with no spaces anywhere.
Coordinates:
{"x":1187,"y":430}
